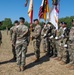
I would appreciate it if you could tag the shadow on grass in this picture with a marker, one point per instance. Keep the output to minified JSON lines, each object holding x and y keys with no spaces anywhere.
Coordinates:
{"x":12,"y":60}
{"x":42,"y":59}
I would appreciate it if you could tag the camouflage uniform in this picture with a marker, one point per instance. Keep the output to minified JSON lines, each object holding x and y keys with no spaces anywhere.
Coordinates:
{"x":71,"y":46}
{"x":58,"y":43}
{"x":65,"y":45}
{"x":50,"y":40}
{"x":37,"y":40}
{"x":44,"y":40}
{"x":0,"y":38}
{"x":12,"y":32}
{"x":21,"y":44}
{"x":61,"y":43}
{"x":53,"y":43}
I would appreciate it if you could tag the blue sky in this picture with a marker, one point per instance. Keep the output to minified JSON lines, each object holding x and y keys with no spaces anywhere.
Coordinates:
{"x":15,"y":8}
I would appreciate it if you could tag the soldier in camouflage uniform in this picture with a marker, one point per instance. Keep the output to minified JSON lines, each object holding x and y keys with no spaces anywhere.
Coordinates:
{"x":37,"y":39}
{"x":12,"y":31}
{"x":44,"y":40}
{"x":21,"y":44}
{"x":50,"y":34}
{"x":71,"y":47}
{"x":58,"y":41}
{"x":64,"y":44}
{"x":0,"y":35}
{"x":63,"y":33}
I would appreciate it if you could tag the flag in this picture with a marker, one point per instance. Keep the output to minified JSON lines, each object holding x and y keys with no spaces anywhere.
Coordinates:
{"x":54,"y":15}
{"x":44,"y":8}
{"x":30,"y":11}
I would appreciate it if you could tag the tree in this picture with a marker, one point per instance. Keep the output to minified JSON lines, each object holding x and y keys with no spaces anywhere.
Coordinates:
{"x":68,"y":20}
{"x":6,"y":23}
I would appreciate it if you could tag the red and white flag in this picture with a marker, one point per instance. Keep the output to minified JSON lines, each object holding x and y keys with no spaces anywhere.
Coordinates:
{"x":30,"y":11}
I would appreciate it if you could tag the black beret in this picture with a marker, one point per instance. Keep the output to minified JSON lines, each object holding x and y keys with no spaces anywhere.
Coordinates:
{"x":22,"y":18}
{"x":16,"y":21}
{"x":35,"y":20}
{"x":64,"y":23}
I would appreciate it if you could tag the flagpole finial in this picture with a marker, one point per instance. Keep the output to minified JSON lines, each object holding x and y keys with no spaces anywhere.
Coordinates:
{"x":55,"y":2}
{"x":26,"y":3}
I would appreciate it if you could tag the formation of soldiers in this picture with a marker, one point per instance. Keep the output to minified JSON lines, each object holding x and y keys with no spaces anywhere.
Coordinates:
{"x":58,"y":44}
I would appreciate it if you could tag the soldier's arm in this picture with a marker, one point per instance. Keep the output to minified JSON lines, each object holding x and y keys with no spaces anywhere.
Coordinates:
{"x":14,"y":38}
{"x":11,"y":32}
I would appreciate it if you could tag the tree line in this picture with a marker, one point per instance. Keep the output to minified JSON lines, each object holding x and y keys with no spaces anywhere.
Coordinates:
{"x":7,"y":22}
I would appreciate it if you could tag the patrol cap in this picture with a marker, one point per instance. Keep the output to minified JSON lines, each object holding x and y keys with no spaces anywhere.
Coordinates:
{"x":36,"y":20}
{"x":72,"y":20}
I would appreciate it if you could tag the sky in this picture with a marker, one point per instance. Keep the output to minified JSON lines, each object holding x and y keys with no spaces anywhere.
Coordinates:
{"x":15,"y":8}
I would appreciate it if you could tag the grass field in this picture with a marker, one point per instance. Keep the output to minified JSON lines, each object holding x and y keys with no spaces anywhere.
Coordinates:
{"x":44,"y":67}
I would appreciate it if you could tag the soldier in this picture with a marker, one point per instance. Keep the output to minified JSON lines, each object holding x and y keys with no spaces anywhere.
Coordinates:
{"x":64,"y":42}
{"x":21,"y":44}
{"x":71,"y":47}
{"x":0,"y":35}
{"x":12,"y":31}
{"x":37,"y":39}
{"x":52,"y":34}
{"x":58,"y":42}
{"x":44,"y":40}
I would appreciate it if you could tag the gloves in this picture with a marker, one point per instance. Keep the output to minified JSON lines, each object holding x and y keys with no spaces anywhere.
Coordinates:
{"x":44,"y":35}
{"x":56,"y":38}
{"x":65,"y":46}
{"x":60,"y":44}
{"x":51,"y":37}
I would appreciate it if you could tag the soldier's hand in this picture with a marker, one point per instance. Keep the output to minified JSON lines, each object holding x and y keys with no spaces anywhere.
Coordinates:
{"x":51,"y":37}
{"x":44,"y":35}
{"x":56,"y":38}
